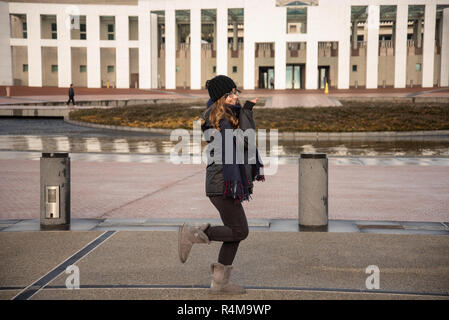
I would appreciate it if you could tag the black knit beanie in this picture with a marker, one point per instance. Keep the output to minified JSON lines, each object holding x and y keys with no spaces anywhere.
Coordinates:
{"x":219,"y":86}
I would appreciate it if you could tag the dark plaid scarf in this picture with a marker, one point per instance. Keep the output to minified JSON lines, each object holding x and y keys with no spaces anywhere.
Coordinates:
{"x":236,"y":180}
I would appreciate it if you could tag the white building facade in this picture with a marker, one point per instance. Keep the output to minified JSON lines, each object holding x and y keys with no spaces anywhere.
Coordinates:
{"x":147,"y":40}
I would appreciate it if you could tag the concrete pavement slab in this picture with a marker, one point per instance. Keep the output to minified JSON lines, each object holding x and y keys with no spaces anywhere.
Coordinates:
{"x":202,"y":294}
{"x":26,"y":256}
{"x":396,"y":231}
{"x":25,"y":225}
{"x":408,"y":264}
{"x":8,"y":294}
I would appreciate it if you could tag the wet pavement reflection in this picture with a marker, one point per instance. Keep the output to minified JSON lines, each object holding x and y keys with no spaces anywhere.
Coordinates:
{"x":54,"y":135}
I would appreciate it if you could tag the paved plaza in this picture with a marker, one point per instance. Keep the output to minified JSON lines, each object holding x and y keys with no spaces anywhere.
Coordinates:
{"x":274,"y":98}
{"x":389,"y":212}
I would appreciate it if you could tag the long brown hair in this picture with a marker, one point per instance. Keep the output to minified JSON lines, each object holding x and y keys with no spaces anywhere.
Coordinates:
{"x":219,"y":111}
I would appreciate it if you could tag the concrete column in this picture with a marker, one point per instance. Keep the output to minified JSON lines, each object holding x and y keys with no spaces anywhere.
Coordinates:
{"x":235,"y":36}
{"x":280,"y":58}
{"x":248,"y":64}
{"x":415,"y":32}
{"x":159,"y":34}
{"x":34,"y":49}
{"x":144,"y":48}
{"x":372,"y":56}
{"x":400,"y":47}
{"x":214,"y":42}
{"x":248,"y":56}
{"x":122,"y":51}
{"x":344,"y":55}
{"x":170,"y":49}
{"x":354,"y":34}
{"x":5,"y":47}
{"x":222,"y":40}
{"x":393,"y":31}
{"x":440,"y":32}
{"x":195,"y":49}
{"x":177,"y":35}
{"x":312,"y":65}
{"x":419,"y":33}
{"x":313,"y":191}
{"x":64,"y":51}
{"x":444,"y":71}
{"x":154,"y":47}
{"x":93,"y":51}
{"x":429,"y":46}
{"x":344,"y":52}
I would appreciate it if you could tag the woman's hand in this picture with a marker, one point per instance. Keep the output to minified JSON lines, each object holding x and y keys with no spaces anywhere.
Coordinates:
{"x":250,"y":104}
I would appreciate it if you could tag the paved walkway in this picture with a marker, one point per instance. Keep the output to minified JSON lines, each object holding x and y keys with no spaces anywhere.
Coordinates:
{"x":270,"y":265}
{"x":358,"y":190}
{"x":274,"y":98}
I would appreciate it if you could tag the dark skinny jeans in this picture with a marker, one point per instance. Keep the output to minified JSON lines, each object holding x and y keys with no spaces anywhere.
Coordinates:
{"x":235,"y":228}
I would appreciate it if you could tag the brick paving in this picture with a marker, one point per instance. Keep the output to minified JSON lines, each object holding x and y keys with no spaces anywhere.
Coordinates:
{"x":164,"y":190}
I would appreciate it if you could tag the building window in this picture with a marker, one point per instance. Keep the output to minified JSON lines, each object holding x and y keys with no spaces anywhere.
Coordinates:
{"x":214,"y":69}
{"x":83,"y":68}
{"x":418,"y":67}
{"x":83,"y":31}
{"x":234,"y":69}
{"x":54,"y":33}
{"x":24,"y":29}
{"x":133,"y":28}
{"x":297,"y":20}
{"x":354,"y":68}
{"x":54,"y":68}
{"x":110,"y":69}
{"x":25,"y":68}
{"x":110,"y":32}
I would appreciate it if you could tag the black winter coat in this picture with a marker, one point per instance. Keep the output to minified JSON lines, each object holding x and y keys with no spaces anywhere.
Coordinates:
{"x":214,"y":172}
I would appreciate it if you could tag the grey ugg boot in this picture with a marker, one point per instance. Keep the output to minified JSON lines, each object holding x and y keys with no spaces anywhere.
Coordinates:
{"x":220,"y":281}
{"x":187,"y":236}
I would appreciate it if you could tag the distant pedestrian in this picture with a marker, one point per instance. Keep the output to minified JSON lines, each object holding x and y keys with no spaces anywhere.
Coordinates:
{"x":71,"y":95}
{"x":227,"y":184}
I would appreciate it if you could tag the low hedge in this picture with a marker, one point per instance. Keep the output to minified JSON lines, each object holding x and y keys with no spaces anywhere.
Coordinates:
{"x":351,"y":117}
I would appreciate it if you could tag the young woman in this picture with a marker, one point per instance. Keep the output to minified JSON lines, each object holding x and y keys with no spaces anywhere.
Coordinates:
{"x":227,"y":184}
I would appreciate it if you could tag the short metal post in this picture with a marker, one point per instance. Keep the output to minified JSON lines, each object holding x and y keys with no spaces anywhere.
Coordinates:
{"x":55,"y":191}
{"x":313,"y":192}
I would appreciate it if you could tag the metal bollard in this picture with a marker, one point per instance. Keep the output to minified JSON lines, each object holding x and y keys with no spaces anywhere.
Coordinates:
{"x":55,"y":191}
{"x":313,"y":192}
